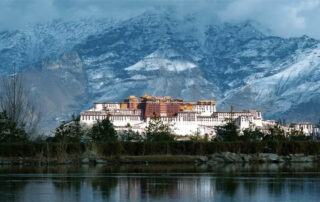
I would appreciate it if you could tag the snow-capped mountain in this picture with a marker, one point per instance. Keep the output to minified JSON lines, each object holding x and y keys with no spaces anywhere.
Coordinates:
{"x":35,"y":42}
{"x":158,"y":54}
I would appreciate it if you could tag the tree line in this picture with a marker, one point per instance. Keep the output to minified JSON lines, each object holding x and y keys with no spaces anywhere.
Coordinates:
{"x":158,"y":131}
{"x":103,"y":131}
{"x":230,"y":132}
{"x":19,"y":113}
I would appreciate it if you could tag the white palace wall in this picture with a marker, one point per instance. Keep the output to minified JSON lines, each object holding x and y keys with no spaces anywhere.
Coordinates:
{"x":184,"y":123}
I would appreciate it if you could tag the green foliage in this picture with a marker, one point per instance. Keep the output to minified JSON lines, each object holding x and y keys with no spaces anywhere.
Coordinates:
{"x":103,"y":131}
{"x":276,"y":130}
{"x":69,"y":131}
{"x":36,"y":149}
{"x":9,"y":131}
{"x":53,"y":150}
{"x":130,"y":135}
{"x":227,"y":132}
{"x":251,"y":135}
{"x":297,"y":135}
{"x":206,"y":137}
{"x":157,"y":131}
{"x":109,"y":148}
{"x":276,"y":133}
{"x":198,"y":138}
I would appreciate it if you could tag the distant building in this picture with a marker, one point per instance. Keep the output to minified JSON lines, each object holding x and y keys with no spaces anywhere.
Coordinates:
{"x":305,"y":127}
{"x":187,"y":117}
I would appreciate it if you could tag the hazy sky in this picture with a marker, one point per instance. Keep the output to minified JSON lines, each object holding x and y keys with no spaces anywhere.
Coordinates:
{"x":283,"y":17}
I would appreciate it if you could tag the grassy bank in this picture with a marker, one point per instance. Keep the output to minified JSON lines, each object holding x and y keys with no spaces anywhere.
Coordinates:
{"x":59,"y":150}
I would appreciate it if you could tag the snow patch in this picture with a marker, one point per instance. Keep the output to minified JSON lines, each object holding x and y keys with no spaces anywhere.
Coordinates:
{"x":156,"y":61}
{"x":190,"y":83}
{"x":249,"y":53}
{"x":97,"y":85}
{"x":96,"y":74}
{"x":138,"y":77}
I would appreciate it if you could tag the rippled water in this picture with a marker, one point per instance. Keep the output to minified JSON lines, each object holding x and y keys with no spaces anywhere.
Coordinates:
{"x":296,"y":182}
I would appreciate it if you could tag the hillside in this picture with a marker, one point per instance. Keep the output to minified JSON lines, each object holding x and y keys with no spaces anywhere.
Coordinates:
{"x":155,"y":53}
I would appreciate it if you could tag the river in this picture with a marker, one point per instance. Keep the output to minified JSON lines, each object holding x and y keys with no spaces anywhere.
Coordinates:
{"x":229,"y":182}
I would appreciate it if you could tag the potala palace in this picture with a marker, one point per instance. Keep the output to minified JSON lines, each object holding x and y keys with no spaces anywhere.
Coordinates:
{"x":185,"y":117}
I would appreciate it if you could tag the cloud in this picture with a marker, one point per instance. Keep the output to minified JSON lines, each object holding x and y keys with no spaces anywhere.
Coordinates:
{"x":284,"y":17}
{"x":16,"y":13}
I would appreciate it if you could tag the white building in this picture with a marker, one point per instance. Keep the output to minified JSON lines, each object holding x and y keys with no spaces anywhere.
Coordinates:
{"x":186,"y":118}
{"x":305,"y":127}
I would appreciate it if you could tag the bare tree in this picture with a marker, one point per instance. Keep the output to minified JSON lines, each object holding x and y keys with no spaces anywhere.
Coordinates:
{"x":16,"y":101}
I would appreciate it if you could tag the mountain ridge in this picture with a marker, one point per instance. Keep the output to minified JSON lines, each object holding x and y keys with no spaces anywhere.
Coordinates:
{"x":155,"y":53}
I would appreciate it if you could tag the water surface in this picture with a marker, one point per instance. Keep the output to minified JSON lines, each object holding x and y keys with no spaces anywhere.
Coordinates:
{"x":231,"y":182}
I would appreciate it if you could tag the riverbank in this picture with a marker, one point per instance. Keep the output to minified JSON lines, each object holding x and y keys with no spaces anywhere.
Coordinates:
{"x":193,"y":148}
{"x":212,"y":159}
{"x":178,"y":152}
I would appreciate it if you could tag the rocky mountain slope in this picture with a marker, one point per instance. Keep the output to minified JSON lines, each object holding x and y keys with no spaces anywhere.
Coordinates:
{"x":158,"y":54}
{"x":35,"y":42}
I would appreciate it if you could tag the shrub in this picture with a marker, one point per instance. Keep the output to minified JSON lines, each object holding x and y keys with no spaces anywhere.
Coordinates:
{"x":251,"y":135}
{"x":33,"y":149}
{"x":276,"y":133}
{"x":227,"y":132}
{"x":157,"y":131}
{"x":297,"y":135}
{"x":9,"y":130}
{"x":130,"y":135}
{"x":103,"y":131}
{"x":69,"y":131}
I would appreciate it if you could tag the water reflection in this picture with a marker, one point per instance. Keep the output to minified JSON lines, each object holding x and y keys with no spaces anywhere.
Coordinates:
{"x":244,"y":182}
